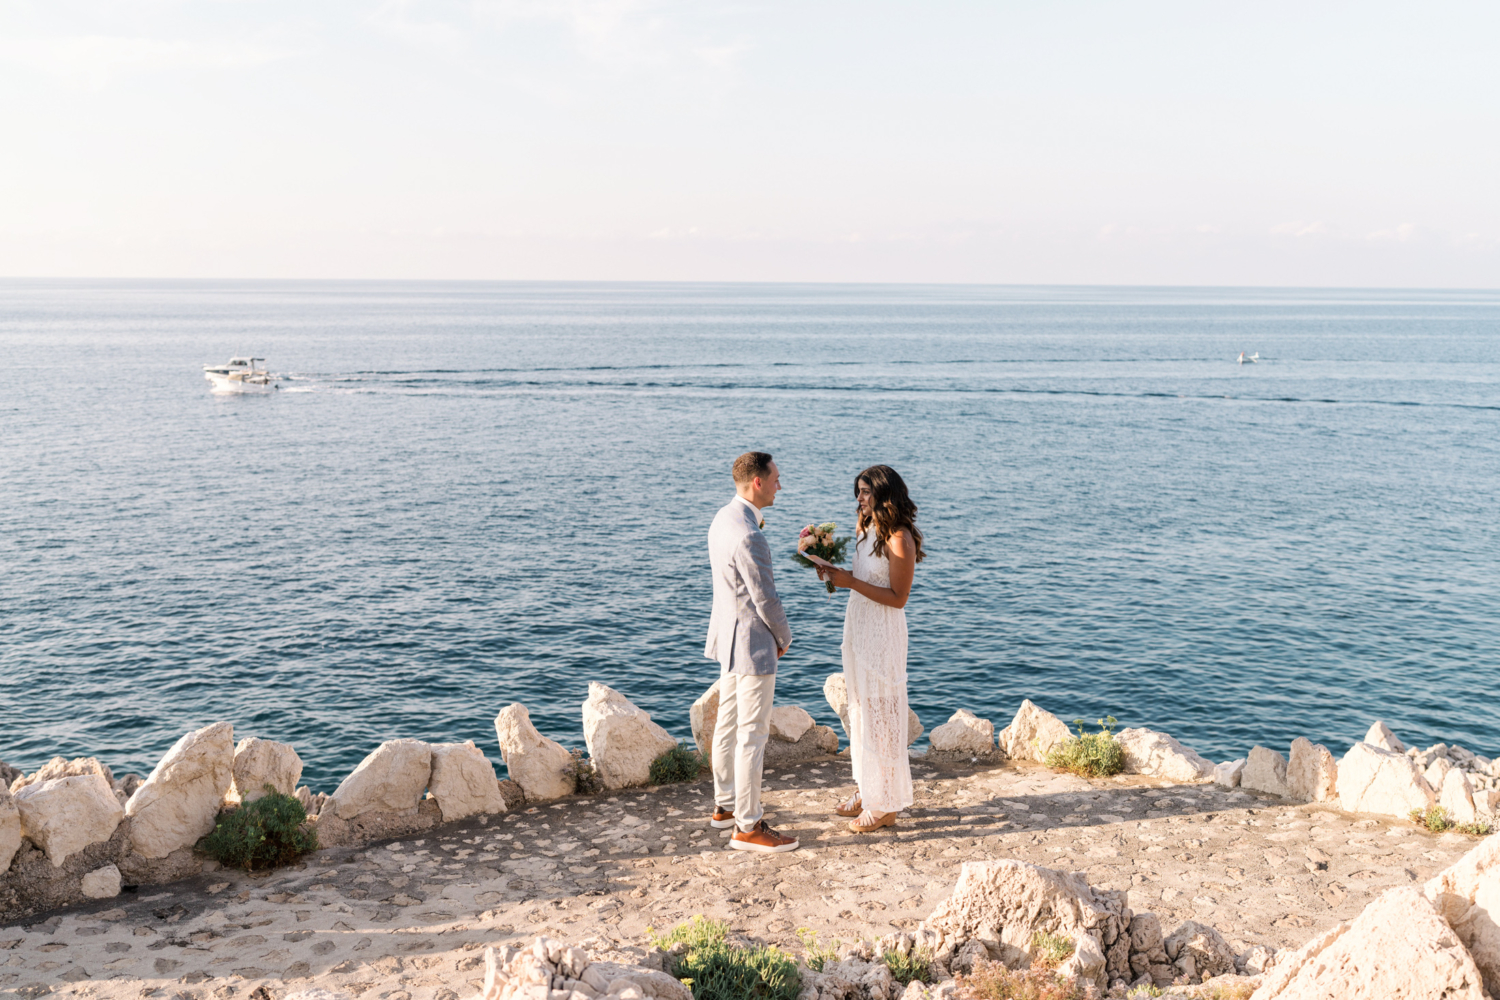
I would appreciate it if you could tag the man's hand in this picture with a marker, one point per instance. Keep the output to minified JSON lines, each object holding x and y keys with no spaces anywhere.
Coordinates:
{"x":780,"y":650}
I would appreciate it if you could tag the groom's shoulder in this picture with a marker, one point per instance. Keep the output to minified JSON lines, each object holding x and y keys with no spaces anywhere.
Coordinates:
{"x":731,"y":516}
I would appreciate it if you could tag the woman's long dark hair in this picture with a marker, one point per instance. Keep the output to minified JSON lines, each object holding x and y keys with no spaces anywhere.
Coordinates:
{"x":891,"y":508}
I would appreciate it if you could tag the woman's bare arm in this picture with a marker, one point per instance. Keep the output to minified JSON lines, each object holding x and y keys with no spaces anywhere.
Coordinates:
{"x":903,"y":559}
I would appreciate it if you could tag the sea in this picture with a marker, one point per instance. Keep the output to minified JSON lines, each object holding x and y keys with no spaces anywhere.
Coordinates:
{"x":465,"y":495}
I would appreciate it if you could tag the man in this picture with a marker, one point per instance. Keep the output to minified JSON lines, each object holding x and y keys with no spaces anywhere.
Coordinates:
{"x":747,"y":634}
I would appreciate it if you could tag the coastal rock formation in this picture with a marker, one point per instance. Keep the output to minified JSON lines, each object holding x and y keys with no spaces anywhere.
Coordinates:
{"x":964,"y":732}
{"x":9,"y":774}
{"x":1265,"y":771}
{"x":1157,"y":754}
{"x":62,"y":767}
{"x":622,"y":739}
{"x":551,"y":969}
{"x":463,"y":781}
{"x":789,"y":722}
{"x":101,"y":883}
{"x":179,"y":800}
{"x":1312,"y":775}
{"x":1197,"y":950}
{"x":64,"y":815}
{"x":703,"y":716}
{"x":1148,"y":951}
{"x":817,"y":741}
{"x":1467,"y":896}
{"x":1457,"y":797}
{"x":1380,"y":735}
{"x":836,"y":691}
{"x":258,"y":763}
{"x":10,"y":829}
{"x":1032,"y":733}
{"x":1229,"y":773}
{"x":390,"y":779}
{"x":1383,"y":782}
{"x":1398,"y":948}
{"x":537,"y":764}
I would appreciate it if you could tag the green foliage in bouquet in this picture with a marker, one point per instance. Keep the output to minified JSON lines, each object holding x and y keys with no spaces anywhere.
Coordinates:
{"x":818,"y":539}
{"x":261,"y":834}
{"x":716,"y":970}
{"x":681,"y":763}
{"x":1092,"y":755}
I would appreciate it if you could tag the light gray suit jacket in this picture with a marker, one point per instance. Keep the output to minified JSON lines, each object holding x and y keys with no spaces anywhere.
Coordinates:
{"x":748,"y":624}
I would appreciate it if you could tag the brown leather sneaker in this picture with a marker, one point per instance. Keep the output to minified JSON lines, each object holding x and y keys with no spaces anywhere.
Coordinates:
{"x":722,"y":819}
{"x":762,"y":839}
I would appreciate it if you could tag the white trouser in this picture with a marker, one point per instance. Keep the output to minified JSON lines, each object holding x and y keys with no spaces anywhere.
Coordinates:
{"x":739,"y":748}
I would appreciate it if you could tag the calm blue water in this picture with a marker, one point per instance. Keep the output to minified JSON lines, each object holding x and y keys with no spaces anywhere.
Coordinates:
{"x":472,"y":494}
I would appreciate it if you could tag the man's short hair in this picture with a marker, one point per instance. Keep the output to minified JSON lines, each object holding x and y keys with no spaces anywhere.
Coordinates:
{"x":752,"y":464}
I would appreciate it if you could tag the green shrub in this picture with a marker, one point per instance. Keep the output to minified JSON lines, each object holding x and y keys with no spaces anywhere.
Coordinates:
{"x":1092,"y":755}
{"x":1050,"y":950}
{"x":916,"y":965}
{"x":1436,"y":819}
{"x":716,"y":970}
{"x":261,"y":834}
{"x":681,"y":763}
{"x":818,"y":955}
{"x":586,"y":780}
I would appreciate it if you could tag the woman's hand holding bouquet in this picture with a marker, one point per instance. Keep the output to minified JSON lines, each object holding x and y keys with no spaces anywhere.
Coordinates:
{"x":817,"y":540}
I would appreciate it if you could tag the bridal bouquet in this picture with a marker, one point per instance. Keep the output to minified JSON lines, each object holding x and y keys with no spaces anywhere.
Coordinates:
{"x":818,"y":540}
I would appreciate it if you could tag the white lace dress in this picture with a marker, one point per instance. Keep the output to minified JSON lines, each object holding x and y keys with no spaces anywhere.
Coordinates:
{"x":875,"y":675}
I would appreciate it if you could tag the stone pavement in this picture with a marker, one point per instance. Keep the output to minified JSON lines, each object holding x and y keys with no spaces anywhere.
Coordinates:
{"x":408,"y":920}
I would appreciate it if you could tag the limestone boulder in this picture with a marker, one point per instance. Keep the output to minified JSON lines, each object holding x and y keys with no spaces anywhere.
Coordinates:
{"x":1006,"y":902}
{"x":9,"y":774}
{"x":1265,"y":771}
{"x":537,"y":764}
{"x":62,"y":767}
{"x":1148,"y":953}
{"x":1382,"y":782}
{"x":1312,"y":775}
{"x":816,"y":743}
{"x":1380,"y":735}
{"x":789,"y":722}
{"x":179,"y":800}
{"x":1199,"y":952}
{"x":622,"y":739}
{"x":463,"y":781}
{"x":1467,"y":896}
{"x":1456,"y":796}
{"x":62,"y":816}
{"x":1032,"y":733}
{"x":1399,"y":948}
{"x":102,"y":883}
{"x":836,"y":691}
{"x":704,"y":716}
{"x":390,"y":780}
{"x":258,"y":763}
{"x":964,"y":733}
{"x":1157,"y":754}
{"x":1087,"y":963}
{"x":1230,"y":773}
{"x":10,"y":829}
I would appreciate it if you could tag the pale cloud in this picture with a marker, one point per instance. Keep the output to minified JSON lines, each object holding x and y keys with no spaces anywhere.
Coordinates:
{"x":1301,"y":229}
{"x":1399,"y":234}
{"x":94,"y":60}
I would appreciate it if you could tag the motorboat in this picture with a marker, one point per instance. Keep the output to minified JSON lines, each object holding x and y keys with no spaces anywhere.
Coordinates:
{"x":240,"y":375}
{"x":1254,"y":359}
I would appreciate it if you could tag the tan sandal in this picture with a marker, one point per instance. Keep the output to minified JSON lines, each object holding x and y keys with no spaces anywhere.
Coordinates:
{"x":849,"y":809}
{"x":876,"y":822}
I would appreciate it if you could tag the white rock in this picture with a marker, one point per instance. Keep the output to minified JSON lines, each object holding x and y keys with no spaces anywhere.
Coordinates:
{"x":102,"y":883}
{"x":316,"y":993}
{"x":10,"y":829}
{"x":1382,"y":782}
{"x":1467,"y":896}
{"x":1211,"y":954}
{"x":1380,"y":735}
{"x":1154,"y":753}
{"x":463,"y":781}
{"x":704,"y":716}
{"x":1265,"y":771}
{"x":1228,"y":773}
{"x":1032,"y":733}
{"x":391,"y":779}
{"x":180,"y":799}
{"x":258,"y":763}
{"x":1312,"y":775}
{"x":1087,"y":961}
{"x":62,"y":767}
{"x":537,"y":764}
{"x":1399,"y":948}
{"x":789,"y":722}
{"x":836,"y":691}
{"x":622,"y":739}
{"x":1256,"y":960}
{"x":964,"y":732}
{"x":1436,"y":771}
{"x":1456,"y":797}
{"x":62,"y":816}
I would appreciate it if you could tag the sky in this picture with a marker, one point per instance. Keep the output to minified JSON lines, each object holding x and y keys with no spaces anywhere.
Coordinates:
{"x":1176,"y":143}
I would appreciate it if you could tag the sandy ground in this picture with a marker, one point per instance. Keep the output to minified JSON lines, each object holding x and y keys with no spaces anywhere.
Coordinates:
{"x":408,"y":920}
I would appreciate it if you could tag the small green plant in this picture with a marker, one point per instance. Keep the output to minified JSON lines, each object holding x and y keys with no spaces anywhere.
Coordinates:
{"x":1143,"y":990}
{"x":586,"y":780}
{"x":699,"y":932}
{"x":1050,"y":950}
{"x":1239,"y":991}
{"x":681,"y":763}
{"x":993,"y":981}
{"x":1092,"y":755}
{"x":915,"y":965}
{"x":716,"y":970}
{"x":818,"y":955}
{"x":262,"y":834}
{"x":1436,"y":819}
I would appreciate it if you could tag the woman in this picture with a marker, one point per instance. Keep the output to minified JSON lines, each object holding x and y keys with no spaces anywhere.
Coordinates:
{"x":886,"y":553}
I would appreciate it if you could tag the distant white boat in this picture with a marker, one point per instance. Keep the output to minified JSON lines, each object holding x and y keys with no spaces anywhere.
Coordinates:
{"x":1254,"y":359}
{"x":239,"y":375}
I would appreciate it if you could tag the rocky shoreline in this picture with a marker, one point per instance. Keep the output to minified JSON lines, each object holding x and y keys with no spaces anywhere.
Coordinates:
{"x":481,"y":862}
